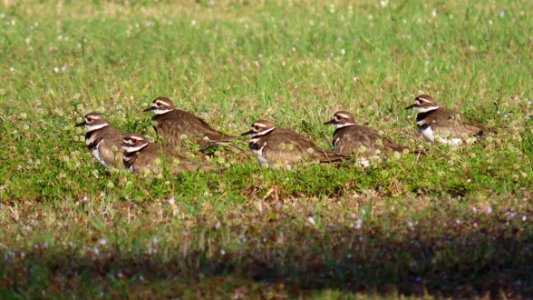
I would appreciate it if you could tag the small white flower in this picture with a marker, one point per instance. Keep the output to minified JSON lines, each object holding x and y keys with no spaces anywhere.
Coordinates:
{"x":193,"y":22}
{"x":222,"y":252}
{"x":434,"y":13}
{"x":171,"y":201}
{"x":358,"y":224}
{"x":311,"y":220}
{"x":102,"y":242}
{"x":410,"y":224}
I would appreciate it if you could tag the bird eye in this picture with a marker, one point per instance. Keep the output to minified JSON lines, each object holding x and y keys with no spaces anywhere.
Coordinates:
{"x":256,"y":127}
{"x":337,"y":117}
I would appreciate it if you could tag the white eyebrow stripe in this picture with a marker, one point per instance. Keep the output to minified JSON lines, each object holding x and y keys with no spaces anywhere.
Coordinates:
{"x":343,"y":115}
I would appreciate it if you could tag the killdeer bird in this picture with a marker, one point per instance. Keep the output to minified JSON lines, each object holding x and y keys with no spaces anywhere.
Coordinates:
{"x":102,"y":140}
{"x":350,"y":138}
{"x":141,"y":156}
{"x":276,"y":147}
{"x":172,"y":124}
{"x":442,"y":125}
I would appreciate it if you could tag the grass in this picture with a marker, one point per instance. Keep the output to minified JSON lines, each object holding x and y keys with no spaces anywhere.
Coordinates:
{"x":456,"y":223}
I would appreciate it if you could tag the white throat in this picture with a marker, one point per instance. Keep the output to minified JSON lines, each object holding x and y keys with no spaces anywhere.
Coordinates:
{"x":426,"y":109}
{"x":133,"y":149}
{"x":95,"y":127}
{"x":96,"y":153}
{"x":255,"y":134}
{"x":159,"y":111}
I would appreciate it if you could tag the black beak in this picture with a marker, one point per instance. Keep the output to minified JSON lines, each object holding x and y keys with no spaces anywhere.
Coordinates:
{"x":148,"y":109}
{"x":330,"y":122}
{"x":410,"y":106}
{"x":80,"y":124}
{"x":247,"y":133}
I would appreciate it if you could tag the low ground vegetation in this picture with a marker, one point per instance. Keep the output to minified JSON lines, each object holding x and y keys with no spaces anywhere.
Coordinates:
{"x":455,"y":222}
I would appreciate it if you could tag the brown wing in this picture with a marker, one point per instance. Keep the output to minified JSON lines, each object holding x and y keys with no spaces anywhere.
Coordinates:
{"x":286,"y":146}
{"x":154,"y":157}
{"x":173,"y":126}
{"x":447,"y":123}
{"x":110,"y":147}
{"x":145,"y":160}
{"x":170,"y":129}
{"x":362,"y":140}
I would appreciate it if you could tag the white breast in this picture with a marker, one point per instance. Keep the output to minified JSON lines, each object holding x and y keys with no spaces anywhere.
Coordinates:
{"x":428,"y":133}
{"x":259,"y":154}
{"x":96,"y":153}
{"x":90,"y":140}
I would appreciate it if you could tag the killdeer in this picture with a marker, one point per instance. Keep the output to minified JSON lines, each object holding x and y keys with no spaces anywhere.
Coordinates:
{"x":276,"y":147}
{"x":172,"y":124}
{"x":141,"y":156}
{"x":350,"y":138}
{"x":102,"y":140}
{"x":442,"y":125}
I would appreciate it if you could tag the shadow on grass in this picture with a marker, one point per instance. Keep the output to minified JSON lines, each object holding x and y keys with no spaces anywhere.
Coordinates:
{"x":495,"y":262}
